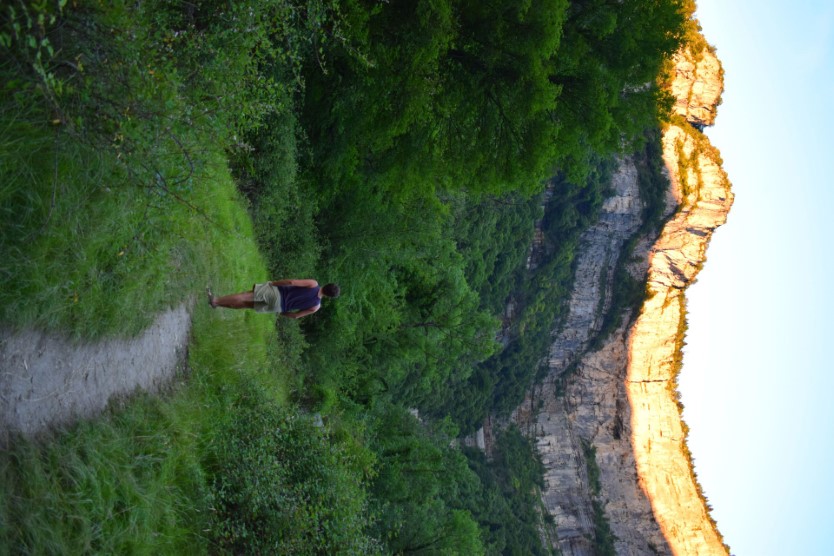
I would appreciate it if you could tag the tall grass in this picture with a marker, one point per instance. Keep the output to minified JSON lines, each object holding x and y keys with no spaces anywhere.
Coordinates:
{"x":93,"y":245}
{"x":117,"y":486}
{"x":106,"y":261}
{"x":86,"y":249}
{"x":135,"y":480}
{"x":116,"y":202}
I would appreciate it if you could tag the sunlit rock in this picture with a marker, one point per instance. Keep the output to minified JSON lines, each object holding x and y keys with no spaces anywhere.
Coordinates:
{"x":612,"y":411}
{"x":697,"y":86}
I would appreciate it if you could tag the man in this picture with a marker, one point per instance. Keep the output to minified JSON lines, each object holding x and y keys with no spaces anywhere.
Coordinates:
{"x":291,"y":298}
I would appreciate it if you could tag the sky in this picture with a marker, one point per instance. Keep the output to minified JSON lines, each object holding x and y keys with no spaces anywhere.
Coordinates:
{"x":757,"y":381}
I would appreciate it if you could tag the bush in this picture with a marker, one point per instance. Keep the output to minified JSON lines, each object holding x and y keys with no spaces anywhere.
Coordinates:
{"x":280,"y":487}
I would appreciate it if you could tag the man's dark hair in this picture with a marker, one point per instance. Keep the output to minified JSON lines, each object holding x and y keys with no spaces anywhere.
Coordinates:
{"x":331,"y":290}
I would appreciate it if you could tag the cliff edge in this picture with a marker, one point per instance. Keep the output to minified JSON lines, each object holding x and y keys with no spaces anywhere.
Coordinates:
{"x":606,"y":419}
{"x":655,"y":342}
{"x":703,"y":198}
{"x":696,"y":85}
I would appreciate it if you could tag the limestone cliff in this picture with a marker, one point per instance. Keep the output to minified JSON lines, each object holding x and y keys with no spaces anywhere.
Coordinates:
{"x":583,"y":402}
{"x":606,"y":421}
{"x":655,"y":341}
{"x":696,"y":85}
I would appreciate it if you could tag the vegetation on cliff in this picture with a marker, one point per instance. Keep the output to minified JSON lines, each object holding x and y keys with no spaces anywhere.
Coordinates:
{"x":398,"y":148}
{"x":628,"y":291}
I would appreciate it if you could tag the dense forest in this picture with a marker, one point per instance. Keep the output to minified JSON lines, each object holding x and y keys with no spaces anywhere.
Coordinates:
{"x":430,"y":131}
{"x":410,"y":151}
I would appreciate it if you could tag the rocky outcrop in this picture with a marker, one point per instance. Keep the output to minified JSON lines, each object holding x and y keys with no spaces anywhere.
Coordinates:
{"x":697,"y":85}
{"x":606,"y":422}
{"x":655,"y":341}
{"x":583,"y":401}
{"x":599,"y":250}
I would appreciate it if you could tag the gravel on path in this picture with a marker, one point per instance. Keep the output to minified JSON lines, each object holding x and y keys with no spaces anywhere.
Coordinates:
{"x":47,"y":380}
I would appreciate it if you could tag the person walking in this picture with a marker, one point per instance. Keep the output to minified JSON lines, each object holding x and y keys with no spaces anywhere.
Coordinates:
{"x":290,"y":298}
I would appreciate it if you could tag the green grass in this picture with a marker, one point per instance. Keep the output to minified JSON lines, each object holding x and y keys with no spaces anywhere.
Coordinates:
{"x":114,"y":486}
{"x":86,"y":249}
{"x":112,"y":213}
{"x":115,"y":204}
{"x":103,"y":259}
{"x":139,"y":479}
{"x":87,"y":252}
{"x":135,"y":481}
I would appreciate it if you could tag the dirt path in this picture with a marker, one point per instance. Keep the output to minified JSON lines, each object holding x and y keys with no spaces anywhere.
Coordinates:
{"x":46,"y":380}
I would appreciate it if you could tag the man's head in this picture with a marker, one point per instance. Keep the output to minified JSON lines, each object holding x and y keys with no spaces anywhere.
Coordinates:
{"x":330,"y":290}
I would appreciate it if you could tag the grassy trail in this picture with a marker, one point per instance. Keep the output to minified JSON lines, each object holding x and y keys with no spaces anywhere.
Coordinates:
{"x":101,"y":261}
{"x":94,"y":250}
{"x":47,"y":380}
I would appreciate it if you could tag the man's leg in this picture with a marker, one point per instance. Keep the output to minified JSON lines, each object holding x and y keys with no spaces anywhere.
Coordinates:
{"x":243,"y":300}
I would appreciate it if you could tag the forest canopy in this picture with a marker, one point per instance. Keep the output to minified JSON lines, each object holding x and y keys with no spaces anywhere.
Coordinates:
{"x":484,"y":96}
{"x":430,"y":131}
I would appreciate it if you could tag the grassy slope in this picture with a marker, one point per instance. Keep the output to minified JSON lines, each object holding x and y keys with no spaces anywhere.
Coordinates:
{"x":116,"y":202}
{"x":130,"y":481}
{"x":88,"y":253}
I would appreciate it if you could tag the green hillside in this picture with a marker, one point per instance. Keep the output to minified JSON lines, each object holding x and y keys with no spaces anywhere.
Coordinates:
{"x":401,"y":149}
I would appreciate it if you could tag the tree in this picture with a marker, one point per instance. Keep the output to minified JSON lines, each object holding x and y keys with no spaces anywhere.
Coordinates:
{"x":416,"y":491}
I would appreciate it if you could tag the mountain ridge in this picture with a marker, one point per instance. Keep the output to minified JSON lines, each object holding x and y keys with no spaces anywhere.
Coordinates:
{"x":606,"y":420}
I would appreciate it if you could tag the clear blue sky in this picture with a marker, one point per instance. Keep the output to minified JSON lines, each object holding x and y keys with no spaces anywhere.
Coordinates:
{"x":757,"y":380}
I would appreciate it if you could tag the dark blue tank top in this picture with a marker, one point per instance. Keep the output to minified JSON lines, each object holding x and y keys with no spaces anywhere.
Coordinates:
{"x":294,"y":298}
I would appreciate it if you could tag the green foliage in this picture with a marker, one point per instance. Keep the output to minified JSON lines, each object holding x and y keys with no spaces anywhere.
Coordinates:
{"x":570,"y":208}
{"x":419,"y":111}
{"x":113,"y":197}
{"x":393,"y":147}
{"x":652,"y":181}
{"x":133,"y":481}
{"x":483,"y":96}
{"x":283,"y":215}
{"x":590,"y":453}
{"x":419,"y":492}
{"x":115,"y":486}
{"x":604,"y":539}
{"x":537,"y":294}
{"x":608,"y":55}
{"x":493,"y":235}
{"x":506,"y":504}
{"x":99,"y":233}
{"x":277,"y":486}
{"x":407,"y":321}
{"x":26,"y":44}
{"x":85,"y":252}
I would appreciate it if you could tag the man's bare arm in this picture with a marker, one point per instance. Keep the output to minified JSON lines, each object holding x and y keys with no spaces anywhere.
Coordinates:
{"x":302,"y":313}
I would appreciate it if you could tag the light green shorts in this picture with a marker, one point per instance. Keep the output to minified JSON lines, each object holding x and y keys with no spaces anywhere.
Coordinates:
{"x":267,"y":298}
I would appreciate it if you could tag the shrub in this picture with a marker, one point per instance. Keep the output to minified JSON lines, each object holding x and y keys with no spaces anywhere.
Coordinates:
{"x":279,"y":487}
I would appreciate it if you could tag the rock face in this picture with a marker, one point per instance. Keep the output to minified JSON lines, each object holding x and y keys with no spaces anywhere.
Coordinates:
{"x":656,"y":339}
{"x":606,"y":422}
{"x":600,"y":246}
{"x":583,"y":401}
{"x":697,"y":85}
